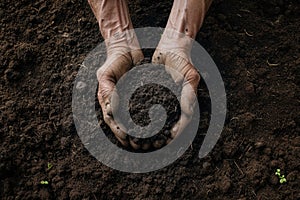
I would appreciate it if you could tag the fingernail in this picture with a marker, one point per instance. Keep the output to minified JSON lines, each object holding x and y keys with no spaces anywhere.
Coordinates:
{"x":158,"y":144}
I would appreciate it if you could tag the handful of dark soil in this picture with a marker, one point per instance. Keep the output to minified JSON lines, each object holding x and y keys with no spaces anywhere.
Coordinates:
{"x":149,"y":85}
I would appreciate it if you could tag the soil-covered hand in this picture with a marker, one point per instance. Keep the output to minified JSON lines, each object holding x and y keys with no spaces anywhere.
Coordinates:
{"x":120,"y":59}
{"x":173,"y":51}
{"x":123,"y":52}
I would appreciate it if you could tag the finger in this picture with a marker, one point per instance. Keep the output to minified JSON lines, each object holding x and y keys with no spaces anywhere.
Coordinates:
{"x":134,"y":143}
{"x":106,"y":85}
{"x":137,"y":57}
{"x":169,"y":140}
{"x":123,"y":142}
{"x":146,"y":145}
{"x":159,"y":142}
{"x":117,"y":129}
{"x":189,"y":91}
{"x":113,"y":103}
{"x":176,"y":76}
{"x":187,"y":101}
{"x":180,"y":125}
{"x":106,"y":106}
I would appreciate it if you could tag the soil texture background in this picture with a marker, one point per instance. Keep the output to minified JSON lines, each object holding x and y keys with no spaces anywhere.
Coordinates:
{"x":256,"y":46}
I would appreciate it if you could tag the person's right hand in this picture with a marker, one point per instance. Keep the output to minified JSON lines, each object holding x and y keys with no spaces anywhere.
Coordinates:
{"x":173,"y":51}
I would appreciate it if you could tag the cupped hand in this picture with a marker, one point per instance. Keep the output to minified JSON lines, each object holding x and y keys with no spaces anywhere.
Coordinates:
{"x":173,"y":51}
{"x":119,"y":61}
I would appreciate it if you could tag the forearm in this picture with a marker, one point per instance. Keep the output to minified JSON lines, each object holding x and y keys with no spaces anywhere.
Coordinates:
{"x":187,"y":16}
{"x":112,"y":16}
{"x":116,"y":27}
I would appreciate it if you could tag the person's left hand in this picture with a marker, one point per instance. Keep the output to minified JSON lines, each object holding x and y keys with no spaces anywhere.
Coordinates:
{"x":174,"y":53}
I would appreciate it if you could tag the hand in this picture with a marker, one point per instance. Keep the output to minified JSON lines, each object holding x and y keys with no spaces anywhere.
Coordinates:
{"x":123,"y":52}
{"x":120,"y":59}
{"x":173,"y":51}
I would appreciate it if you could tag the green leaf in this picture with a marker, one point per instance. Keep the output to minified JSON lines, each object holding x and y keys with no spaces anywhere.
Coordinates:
{"x":50,"y":165}
{"x":44,"y":182}
{"x":281,"y":181}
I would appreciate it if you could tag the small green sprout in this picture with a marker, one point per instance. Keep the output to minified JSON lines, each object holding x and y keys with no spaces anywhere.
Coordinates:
{"x":282,"y":179}
{"x":49,"y":165}
{"x":44,"y":182}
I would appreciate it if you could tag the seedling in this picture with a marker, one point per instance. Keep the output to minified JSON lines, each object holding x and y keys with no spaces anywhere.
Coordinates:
{"x":44,"y":182}
{"x":49,"y":166}
{"x":282,"y":179}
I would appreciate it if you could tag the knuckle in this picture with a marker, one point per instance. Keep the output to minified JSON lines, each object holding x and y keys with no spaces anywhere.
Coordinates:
{"x":100,"y":73}
{"x":99,"y":94}
{"x":103,"y":92}
{"x":193,"y":76}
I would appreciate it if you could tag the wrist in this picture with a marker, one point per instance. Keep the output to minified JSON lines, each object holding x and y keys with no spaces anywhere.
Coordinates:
{"x":122,"y":42}
{"x":174,"y":42}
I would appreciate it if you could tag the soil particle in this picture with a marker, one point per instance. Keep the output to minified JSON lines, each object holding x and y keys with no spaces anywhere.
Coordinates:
{"x":274,"y":180}
{"x":292,"y":176}
{"x":225,"y":185}
{"x":277,"y":164}
{"x":259,"y":145}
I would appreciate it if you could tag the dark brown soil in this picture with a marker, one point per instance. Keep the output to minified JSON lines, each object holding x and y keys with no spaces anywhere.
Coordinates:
{"x":148,"y":95}
{"x":256,"y":47}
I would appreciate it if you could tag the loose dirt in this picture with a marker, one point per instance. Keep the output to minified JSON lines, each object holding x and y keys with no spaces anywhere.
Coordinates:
{"x":255,"y":44}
